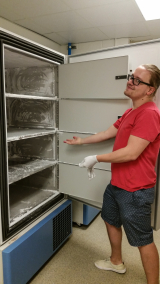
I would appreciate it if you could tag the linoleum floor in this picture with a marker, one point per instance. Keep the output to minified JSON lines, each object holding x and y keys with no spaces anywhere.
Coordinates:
{"x":74,"y":261}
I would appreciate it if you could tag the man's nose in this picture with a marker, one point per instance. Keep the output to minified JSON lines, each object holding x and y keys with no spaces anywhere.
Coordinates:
{"x":130,"y":81}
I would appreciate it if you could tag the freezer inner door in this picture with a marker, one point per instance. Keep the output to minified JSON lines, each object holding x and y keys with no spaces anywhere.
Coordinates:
{"x":91,"y":97}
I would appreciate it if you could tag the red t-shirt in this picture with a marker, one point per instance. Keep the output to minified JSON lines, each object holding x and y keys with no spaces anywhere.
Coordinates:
{"x":143,"y":122}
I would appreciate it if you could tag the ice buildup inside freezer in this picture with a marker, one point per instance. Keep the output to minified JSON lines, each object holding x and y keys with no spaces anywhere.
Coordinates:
{"x":30,"y":193}
{"x":30,"y":99}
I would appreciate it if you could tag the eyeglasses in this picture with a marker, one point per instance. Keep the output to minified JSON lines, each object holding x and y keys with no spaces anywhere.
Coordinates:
{"x":136,"y":81}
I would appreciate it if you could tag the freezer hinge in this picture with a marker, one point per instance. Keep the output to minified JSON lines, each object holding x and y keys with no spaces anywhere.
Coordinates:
{"x":121,"y":77}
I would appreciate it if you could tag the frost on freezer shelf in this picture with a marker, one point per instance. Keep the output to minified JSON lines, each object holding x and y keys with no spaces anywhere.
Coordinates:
{"x":37,"y":147}
{"x":25,"y":210}
{"x":31,"y":81}
{"x":18,"y":171}
{"x":21,"y":209}
{"x":26,"y":113}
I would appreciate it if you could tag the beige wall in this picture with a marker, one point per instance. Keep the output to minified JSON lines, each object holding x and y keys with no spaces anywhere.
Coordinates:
{"x":14,"y":28}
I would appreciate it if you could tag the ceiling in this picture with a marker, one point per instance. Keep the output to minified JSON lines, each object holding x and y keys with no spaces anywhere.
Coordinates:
{"x":78,"y":21}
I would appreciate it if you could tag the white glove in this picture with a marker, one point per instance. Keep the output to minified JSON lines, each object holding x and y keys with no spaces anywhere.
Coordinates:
{"x":91,"y":173}
{"x":88,"y":162}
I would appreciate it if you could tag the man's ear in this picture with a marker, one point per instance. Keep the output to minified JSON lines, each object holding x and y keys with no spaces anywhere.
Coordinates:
{"x":151,"y":91}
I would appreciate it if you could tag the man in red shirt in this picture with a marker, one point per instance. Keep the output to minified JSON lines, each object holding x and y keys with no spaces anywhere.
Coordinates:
{"x":127,"y":199}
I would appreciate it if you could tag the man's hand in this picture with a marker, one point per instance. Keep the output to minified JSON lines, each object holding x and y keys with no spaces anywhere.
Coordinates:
{"x":88,"y":162}
{"x":95,"y":138}
{"x":74,"y":141}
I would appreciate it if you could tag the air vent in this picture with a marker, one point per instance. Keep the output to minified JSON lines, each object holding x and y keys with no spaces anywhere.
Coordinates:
{"x":62,"y":227}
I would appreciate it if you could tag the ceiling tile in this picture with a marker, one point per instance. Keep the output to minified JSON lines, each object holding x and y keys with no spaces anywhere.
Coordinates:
{"x":31,"y":25}
{"x":8,"y":14}
{"x":81,"y":20}
{"x":121,"y":12}
{"x":154,"y":27}
{"x":85,"y":35}
{"x":77,"y":4}
{"x":123,"y":30}
{"x":62,"y":21}
{"x":10,"y":4}
{"x":34,"y":8}
{"x":57,"y":38}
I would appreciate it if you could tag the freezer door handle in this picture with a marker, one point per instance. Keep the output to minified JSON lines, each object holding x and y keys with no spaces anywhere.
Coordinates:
{"x":121,"y":77}
{"x":77,"y":165}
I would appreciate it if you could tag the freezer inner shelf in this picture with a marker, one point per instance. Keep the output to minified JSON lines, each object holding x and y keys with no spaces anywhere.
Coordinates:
{"x":18,"y":134}
{"x":31,"y":103}
{"x":30,"y":193}
{"x":21,"y":169}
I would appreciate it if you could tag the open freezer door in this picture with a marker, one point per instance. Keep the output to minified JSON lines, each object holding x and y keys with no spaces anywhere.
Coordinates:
{"x":91,"y":97}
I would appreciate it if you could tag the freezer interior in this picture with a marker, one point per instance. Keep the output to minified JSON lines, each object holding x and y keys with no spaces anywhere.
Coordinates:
{"x":31,"y":102}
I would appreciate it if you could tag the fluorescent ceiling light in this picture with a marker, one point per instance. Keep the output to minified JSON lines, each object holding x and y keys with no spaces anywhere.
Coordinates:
{"x":149,"y":8}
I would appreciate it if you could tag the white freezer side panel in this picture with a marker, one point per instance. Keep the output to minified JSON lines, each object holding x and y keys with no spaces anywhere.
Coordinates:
{"x":74,"y":181}
{"x":157,"y":212}
{"x":90,"y":115}
{"x":93,"y":79}
{"x":156,"y":204}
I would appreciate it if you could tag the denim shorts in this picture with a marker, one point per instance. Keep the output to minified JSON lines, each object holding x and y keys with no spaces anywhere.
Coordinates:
{"x":132,"y":210}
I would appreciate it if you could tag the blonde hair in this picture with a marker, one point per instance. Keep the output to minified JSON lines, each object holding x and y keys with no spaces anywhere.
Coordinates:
{"x":155,"y":76}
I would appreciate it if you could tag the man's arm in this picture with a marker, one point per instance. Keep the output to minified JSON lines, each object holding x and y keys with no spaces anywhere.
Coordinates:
{"x":96,"y":138}
{"x":131,"y":152}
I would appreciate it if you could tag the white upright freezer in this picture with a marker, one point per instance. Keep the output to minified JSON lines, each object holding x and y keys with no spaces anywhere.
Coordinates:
{"x":44,"y":101}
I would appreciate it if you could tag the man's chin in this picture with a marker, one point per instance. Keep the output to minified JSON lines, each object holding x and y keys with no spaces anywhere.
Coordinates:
{"x":126,"y":93}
